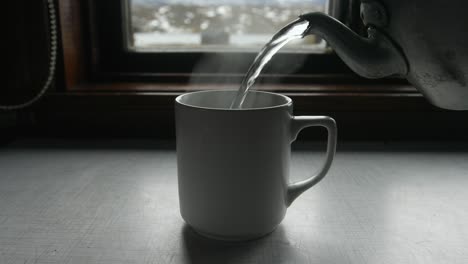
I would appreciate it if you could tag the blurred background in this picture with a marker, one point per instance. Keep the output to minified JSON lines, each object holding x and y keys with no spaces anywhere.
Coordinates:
{"x":208,"y":24}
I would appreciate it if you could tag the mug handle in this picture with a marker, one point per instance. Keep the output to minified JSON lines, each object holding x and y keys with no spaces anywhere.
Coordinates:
{"x":297,"y":124}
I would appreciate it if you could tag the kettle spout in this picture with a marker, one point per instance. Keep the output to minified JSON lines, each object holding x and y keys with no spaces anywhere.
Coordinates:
{"x":373,"y":57}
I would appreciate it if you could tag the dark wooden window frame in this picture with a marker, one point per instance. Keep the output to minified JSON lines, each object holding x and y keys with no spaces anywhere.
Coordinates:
{"x":96,"y":59}
{"x":103,"y":27}
{"x":91,"y":98}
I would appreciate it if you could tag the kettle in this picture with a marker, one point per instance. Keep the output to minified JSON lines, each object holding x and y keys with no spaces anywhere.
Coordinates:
{"x":425,"y":41}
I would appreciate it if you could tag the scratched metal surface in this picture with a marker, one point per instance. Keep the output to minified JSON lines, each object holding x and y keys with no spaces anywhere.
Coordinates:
{"x":116,"y":202}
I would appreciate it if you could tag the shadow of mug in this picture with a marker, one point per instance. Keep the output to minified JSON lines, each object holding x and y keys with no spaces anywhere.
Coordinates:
{"x":274,"y":248}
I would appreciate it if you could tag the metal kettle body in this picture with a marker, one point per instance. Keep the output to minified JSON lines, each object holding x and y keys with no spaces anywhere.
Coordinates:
{"x":426,"y":41}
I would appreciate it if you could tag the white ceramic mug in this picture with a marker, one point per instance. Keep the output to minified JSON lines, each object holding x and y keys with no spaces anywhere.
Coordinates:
{"x":233,"y":164}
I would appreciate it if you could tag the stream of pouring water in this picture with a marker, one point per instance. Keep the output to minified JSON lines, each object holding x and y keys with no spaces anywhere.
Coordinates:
{"x":294,"y":30}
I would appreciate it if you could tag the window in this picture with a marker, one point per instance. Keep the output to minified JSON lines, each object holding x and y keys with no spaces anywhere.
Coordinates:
{"x":206,"y":41}
{"x":110,"y":86}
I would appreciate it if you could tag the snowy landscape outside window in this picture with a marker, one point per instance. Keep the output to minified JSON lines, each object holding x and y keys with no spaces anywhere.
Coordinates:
{"x":215,"y":25}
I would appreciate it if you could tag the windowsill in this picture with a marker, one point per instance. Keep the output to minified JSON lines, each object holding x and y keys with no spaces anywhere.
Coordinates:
{"x":307,"y":98}
{"x":367,"y":112}
{"x":356,"y":89}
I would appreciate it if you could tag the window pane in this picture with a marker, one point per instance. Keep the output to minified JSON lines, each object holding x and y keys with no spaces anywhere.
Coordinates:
{"x":215,"y":25}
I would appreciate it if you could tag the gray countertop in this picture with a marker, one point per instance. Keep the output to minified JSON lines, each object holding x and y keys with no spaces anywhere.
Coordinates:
{"x":116,"y":202}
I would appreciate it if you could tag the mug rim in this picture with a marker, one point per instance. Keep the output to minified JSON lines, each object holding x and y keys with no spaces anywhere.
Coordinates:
{"x":286,"y":104}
